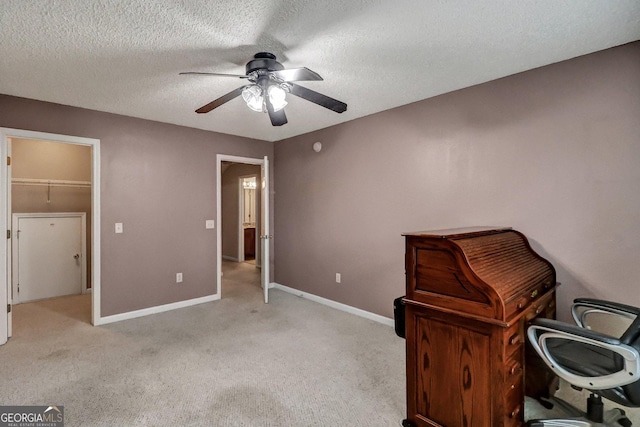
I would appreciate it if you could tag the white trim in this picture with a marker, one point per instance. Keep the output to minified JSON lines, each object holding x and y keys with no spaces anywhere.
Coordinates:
{"x":5,"y":251}
{"x":45,"y":136}
{"x":5,"y":191}
{"x":265,"y":258}
{"x":219,"y":159}
{"x":337,"y":305}
{"x":230,"y":258}
{"x":157,"y":309}
{"x":83,"y":243}
{"x":240,"y":220}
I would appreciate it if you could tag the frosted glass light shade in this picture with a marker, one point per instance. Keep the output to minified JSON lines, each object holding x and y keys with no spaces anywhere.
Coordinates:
{"x":277,"y":97}
{"x":252,"y":95}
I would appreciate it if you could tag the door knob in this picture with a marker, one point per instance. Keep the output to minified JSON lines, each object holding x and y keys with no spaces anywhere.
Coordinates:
{"x":76,"y":256}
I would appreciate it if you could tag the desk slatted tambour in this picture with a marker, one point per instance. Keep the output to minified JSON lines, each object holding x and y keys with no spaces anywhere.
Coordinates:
{"x":469,"y":296}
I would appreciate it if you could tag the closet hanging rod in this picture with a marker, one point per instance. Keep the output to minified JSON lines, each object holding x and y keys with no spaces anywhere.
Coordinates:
{"x":50,"y":182}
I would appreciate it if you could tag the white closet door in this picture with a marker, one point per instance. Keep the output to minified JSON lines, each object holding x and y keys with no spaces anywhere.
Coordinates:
{"x":50,"y":257}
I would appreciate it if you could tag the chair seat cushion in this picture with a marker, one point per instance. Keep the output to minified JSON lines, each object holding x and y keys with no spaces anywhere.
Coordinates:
{"x":588,"y":360}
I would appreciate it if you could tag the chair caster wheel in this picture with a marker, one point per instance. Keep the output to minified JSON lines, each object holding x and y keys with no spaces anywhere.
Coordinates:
{"x":545,"y":403}
{"x":625,"y":422}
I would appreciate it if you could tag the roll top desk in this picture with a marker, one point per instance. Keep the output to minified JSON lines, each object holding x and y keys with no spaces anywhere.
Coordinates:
{"x":469,"y":296}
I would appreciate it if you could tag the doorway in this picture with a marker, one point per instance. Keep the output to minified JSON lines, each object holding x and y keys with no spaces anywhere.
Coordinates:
{"x":234,"y":174}
{"x":248,"y":218}
{"x":47,"y":194}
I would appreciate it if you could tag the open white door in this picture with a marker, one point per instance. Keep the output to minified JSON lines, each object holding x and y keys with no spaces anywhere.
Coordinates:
{"x":264,"y":228}
{"x":9,"y":246}
{"x":5,"y":250}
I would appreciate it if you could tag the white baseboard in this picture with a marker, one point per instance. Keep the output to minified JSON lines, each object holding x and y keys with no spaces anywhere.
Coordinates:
{"x":337,"y":305}
{"x":230,"y":258}
{"x":154,"y":310}
{"x":181,"y":304}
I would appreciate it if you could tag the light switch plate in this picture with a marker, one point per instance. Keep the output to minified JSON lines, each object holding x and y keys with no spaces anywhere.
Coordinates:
{"x":209,"y":224}
{"x":119,"y":228}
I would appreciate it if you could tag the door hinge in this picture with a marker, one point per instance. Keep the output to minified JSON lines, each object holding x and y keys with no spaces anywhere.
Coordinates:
{"x":8,"y":308}
{"x":8,"y":234}
{"x":8,"y":161}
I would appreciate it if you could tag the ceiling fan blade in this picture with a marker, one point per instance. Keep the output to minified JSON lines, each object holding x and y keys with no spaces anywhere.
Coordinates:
{"x":278,"y":118}
{"x":297,"y":74}
{"x":218,"y":102}
{"x":318,"y":98}
{"x":196,"y":73}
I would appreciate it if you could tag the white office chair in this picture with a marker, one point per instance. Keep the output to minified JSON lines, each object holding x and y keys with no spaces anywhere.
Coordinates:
{"x":608,"y":366}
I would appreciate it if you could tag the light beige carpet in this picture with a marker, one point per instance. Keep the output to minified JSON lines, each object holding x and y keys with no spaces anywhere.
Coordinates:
{"x":533,"y":409}
{"x":233,"y":362}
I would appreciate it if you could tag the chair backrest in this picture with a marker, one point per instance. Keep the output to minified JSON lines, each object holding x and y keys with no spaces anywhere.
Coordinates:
{"x":631,"y":336}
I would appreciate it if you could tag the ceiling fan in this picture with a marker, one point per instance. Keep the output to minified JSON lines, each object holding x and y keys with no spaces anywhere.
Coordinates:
{"x":269,"y":77}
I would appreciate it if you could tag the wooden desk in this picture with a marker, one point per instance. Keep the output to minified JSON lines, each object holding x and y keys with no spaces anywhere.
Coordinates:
{"x":469,"y":296}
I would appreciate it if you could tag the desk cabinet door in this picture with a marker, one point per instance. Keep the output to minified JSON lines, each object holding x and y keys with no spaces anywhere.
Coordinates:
{"x":448,"y":373}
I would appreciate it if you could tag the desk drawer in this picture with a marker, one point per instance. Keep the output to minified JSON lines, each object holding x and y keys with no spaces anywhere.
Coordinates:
{"x":514,"y":398}
{"x":515,"y":416}
{"x":524,"y":301}
{"x":545,"y":307}
{"x":513,"y":340}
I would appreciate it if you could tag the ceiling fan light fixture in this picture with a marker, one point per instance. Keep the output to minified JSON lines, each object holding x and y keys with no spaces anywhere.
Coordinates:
{"x":269,"y":83}
{"x":277,"y":96}
{"x":252,"y":95}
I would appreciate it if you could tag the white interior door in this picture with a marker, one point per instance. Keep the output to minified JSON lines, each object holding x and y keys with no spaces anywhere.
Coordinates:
{"x":50,"y":257}
{"x":5,"y":249}
{"x":9,"y":243}
{"x":264,"y":222}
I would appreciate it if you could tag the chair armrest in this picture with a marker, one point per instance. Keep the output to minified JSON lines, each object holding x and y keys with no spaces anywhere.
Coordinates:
{"x":584,"y":306}
{"x":558,"y":326}
{"x":543,"y":329}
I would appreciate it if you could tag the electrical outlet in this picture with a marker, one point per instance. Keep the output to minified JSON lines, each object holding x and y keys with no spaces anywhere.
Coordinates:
{"x":209,"y":224}
{"x":338,"y":278}
{"x":178,"y":277}
{"x":119,"y":227}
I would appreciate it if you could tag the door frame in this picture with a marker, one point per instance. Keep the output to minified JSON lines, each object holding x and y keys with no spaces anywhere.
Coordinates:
{"x":83,"y":251}
{"x":234,"y":159}
{"x":5,"y":207}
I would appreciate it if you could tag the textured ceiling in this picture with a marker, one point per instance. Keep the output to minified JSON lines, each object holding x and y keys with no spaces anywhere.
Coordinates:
{"x":124,"y":56}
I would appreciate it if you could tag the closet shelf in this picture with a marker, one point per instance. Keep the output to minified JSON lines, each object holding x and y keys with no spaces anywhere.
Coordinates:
{"x":50,"y":182}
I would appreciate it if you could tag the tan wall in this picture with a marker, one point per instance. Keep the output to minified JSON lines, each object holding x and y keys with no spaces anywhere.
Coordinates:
{"x":49,"y":160}
{"x":159,"y":180}
{"x":231,"y":206}
{"x":552,"y":152}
